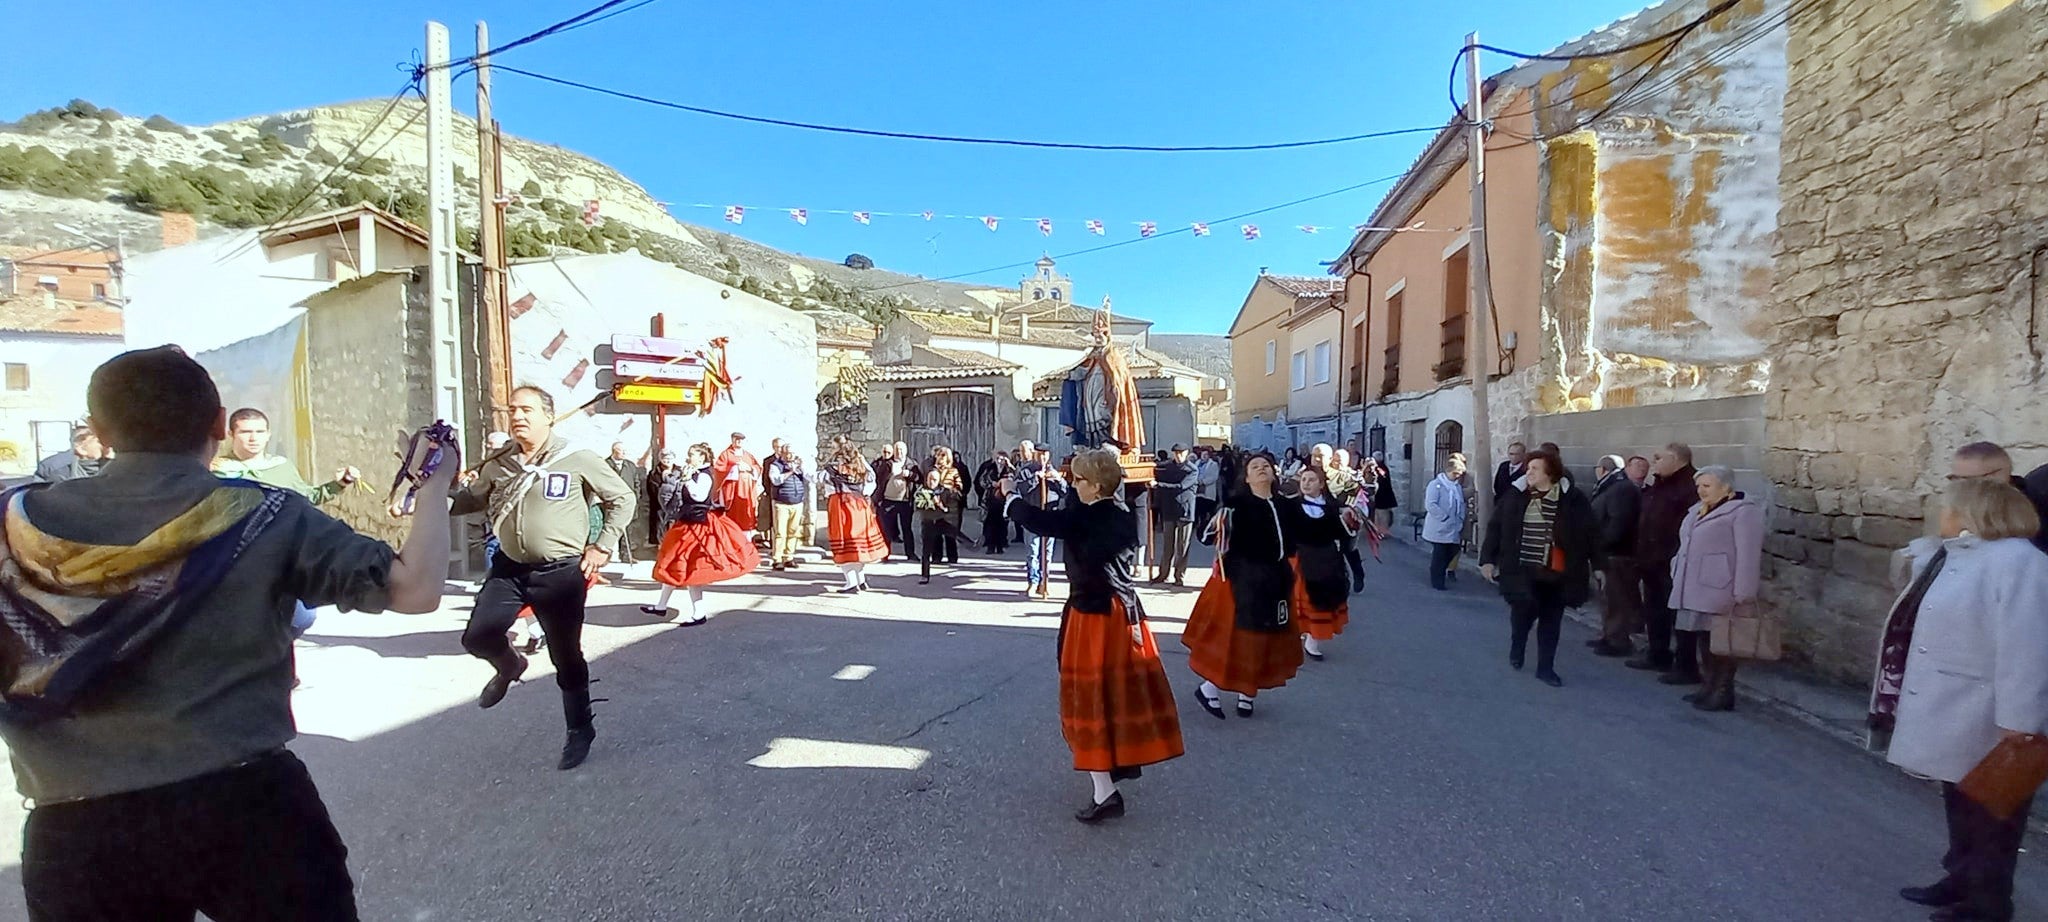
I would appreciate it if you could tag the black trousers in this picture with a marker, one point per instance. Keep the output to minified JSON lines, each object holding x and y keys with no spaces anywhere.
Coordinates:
{"x":1658,"y":618}
{"x":995,"y":529}
{"x":941,"y":544}
{"x":1440,"y":556}
{"x":1542,"y":608}
{"x":1357,"y":563}
{"x":246,"y":844}
{"x":1205,"y":509}
{"x":898,"y":524}
{"x":557,"y":591}
{"x":1982,"y":853}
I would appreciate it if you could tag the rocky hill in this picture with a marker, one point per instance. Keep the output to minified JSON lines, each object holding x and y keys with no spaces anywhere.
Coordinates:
{"x":94,"y":168}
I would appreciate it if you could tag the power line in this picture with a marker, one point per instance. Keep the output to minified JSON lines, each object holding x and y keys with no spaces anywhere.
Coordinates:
{"x":1719,"y":8}
{"x":595,"y":14}
{"x":1141,"y":239}
{"x":291,"y":211}
{"x":957,"y":139}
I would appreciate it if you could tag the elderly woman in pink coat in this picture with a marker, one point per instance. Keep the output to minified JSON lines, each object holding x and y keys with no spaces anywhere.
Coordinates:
{"x":1720,"y":557}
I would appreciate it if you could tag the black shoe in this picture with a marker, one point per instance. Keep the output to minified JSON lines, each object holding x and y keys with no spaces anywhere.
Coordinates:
{"x":1938,"y":895}
{"x":1711,"y":701}
{"x":1107,"y":810}
{"x":1244,"y":706}
{"x":1691,"y":697}
{"x":1514,"y":662}
{"x":1550,"y":679}
{"x":1679,"y":678}
{"x":495,"y":689}
{"x":847,"y":590}
{"x":779,"y":567}
{"x":654,"y":610}
{"x":577,"y":748}
{"x":1647,"y":665}
{"x":1213,"y":705}
{"x":533,"y":645}
{"x":1604,"y":649}
{"x":925,"y":581}
{"x":1962,"y":914}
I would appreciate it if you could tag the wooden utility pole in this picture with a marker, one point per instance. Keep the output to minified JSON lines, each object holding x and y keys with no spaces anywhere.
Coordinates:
{"x":490,"y":235}
{"x":1480,"y":355}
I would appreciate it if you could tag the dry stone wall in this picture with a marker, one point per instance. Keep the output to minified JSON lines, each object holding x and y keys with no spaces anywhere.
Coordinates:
{"x":1909,"y":308}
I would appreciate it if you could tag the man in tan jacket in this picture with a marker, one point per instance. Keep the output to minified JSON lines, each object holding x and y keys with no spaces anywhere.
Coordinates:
{"x":537,"y":493}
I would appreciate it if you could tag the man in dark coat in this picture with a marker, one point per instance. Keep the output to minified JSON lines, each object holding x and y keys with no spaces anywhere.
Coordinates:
{"x":628,"y":471}
{"x":1511,"y":470}
{"x":1173,"y":511}
{"x":1670,"y":495}
{"x":1988,"y":461}
{"x":84,"y":459}
{"x":1541,"y":574}
{"x":1617,"y":510}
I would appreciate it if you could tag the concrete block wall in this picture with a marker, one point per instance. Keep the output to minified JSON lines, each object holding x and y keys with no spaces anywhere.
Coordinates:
{"x":1728,"y":431}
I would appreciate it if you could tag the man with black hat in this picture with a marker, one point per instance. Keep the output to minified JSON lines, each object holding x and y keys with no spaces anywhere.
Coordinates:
{"x":1173,"y":516}
{"x":160,"y":779}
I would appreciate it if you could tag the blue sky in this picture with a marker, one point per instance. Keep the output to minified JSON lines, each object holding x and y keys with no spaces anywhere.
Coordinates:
{"x":1130,"y":71}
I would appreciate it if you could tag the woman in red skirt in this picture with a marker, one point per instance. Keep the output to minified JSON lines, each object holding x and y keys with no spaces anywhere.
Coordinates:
{"x":1322,"y":588}
{"x":1242,"y":636}
{"x":704,"y":545}
{"x":1116,"y":709}
{"x":850,"y":520}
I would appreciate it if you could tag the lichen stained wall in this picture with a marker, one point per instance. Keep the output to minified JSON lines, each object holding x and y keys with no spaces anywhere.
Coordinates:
{"x":1661,"y":202}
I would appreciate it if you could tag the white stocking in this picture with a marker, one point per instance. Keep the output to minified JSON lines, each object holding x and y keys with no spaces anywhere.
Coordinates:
{"x":852,"y":573}
{"x":696,"y":597}
{"x":1210,"y":691}
{"x":1309,"y":643}
{"x":666,"y":592}
{"x":1103,"y":786}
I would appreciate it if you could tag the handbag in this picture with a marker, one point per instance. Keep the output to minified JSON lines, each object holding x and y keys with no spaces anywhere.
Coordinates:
{"x":1746,"y":632}
{"x":2009,"y":774}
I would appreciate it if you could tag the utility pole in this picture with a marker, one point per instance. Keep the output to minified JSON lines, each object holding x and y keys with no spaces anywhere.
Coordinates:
{"x":1480,"y":355}
{"x":444,"y":309}
{"x":490,"y":235}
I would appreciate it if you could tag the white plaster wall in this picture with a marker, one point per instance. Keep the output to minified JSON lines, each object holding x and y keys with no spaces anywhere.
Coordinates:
{"x":59,"y":367}
{"x":208,"y":294}
{"x":772,"y":353}
{"x":1038,"y":361}
{"x":257,"y":372}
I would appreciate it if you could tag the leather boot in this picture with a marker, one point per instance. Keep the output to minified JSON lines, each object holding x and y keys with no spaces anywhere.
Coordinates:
{"x":582,"y":729}
{"x":1717,"y":691}
{"x":510,"y":667}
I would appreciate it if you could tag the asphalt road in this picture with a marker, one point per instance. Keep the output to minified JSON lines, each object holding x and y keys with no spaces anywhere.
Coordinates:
{"x":898,"y":756}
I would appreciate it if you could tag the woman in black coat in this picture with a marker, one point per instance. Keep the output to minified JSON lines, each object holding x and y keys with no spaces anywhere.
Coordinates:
{"x":1539,"y":548}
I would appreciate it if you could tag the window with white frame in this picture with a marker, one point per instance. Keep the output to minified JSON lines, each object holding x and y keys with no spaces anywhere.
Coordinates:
{"x":1272,"y":356}
{"x":1298,"y":371}
{"x":1322,"y":362}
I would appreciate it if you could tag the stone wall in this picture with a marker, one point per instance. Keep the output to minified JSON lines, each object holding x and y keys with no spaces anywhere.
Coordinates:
{"x":369,"y":374}
{"x":1909,"y":309}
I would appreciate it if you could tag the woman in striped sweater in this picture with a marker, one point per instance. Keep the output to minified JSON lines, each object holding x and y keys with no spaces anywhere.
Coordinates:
{"x":1539,"y":548}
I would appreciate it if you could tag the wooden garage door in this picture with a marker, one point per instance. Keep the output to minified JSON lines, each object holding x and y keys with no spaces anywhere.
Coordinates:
{"x":963,"y":420}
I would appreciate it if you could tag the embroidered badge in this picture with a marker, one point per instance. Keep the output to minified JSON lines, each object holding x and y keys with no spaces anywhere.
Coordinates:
{"x":556,"y":487}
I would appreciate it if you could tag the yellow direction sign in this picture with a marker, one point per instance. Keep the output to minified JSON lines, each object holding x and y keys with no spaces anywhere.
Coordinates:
{"x":658,"y":393}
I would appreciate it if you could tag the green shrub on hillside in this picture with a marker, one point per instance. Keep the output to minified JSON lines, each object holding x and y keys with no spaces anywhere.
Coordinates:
{"x":159,"y":123}
{"x":320,"y":156}
{"x":79,"y":174}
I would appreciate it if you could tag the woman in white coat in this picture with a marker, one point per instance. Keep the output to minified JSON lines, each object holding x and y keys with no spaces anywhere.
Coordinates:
{"x":1443,"y":523}
{"x":1963,"y":664}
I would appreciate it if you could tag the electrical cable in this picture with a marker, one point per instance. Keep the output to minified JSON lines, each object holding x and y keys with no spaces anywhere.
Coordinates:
{"x":958,"y":139}
{"x":290,"y":211}
{"x":1679,"y":32}
{"x":594,"y":14}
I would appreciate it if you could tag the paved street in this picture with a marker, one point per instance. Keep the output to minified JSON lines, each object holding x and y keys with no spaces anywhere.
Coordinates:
{"x":897,"y":756}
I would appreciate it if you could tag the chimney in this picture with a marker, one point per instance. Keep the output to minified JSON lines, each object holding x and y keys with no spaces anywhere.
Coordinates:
{"x":179,"y":229}
{"x":1262,"y":270}
{"x":1023,"y":326}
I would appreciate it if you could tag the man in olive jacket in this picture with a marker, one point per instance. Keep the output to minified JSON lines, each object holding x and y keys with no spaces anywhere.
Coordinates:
{"x":1670,"y":495}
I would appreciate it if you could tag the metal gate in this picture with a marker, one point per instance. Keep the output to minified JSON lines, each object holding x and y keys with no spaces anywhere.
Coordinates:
{"x":961,"y":419}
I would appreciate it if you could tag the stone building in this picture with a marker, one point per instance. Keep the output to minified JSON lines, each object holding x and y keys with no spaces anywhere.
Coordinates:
{"x":1911,"y":307}
{"x":1631,"y":221}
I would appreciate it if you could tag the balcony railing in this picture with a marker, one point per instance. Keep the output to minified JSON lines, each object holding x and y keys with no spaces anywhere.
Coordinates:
{"x":1452,"y":363}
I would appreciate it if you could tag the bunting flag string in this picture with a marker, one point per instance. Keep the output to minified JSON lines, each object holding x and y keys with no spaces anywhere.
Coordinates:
{"x":737,"y":214}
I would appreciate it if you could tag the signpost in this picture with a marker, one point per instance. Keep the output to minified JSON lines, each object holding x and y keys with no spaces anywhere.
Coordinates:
{"x":657,"y":370}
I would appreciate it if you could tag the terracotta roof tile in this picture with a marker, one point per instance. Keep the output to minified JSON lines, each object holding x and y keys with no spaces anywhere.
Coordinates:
{"x":1307,"y":286}
{"x":31,"y":315}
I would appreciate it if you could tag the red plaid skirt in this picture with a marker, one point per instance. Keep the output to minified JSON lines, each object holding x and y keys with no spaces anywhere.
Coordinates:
{"x":1237,"y":660}
{"x":856,"y":533}
{"x":1116,"y":709}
